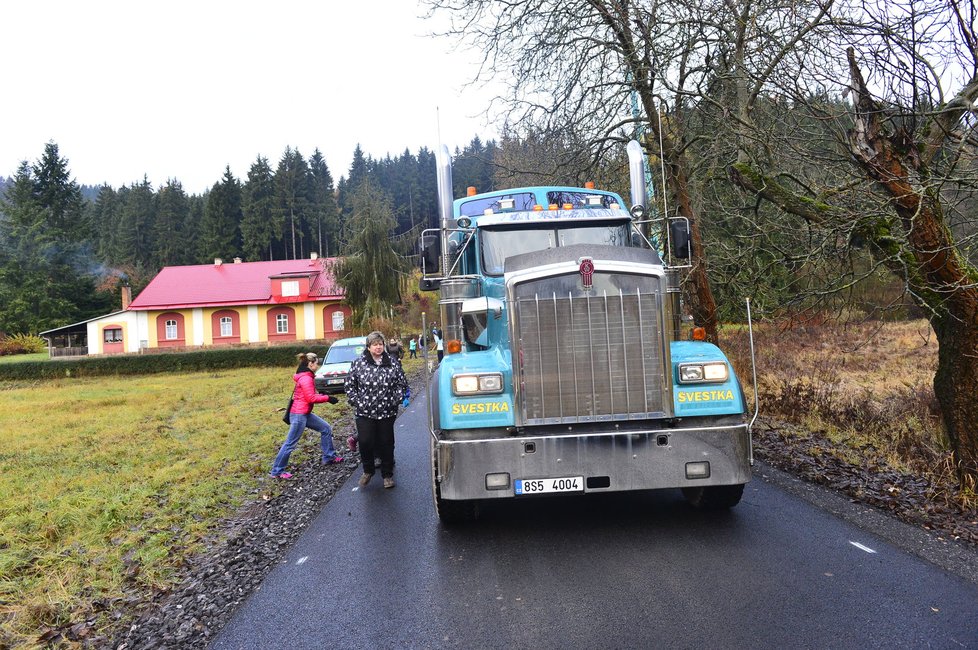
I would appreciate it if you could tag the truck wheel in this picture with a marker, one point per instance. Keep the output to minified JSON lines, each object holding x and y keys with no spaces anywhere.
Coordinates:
{"x":714,"y":497}
{"x":450,"y":512}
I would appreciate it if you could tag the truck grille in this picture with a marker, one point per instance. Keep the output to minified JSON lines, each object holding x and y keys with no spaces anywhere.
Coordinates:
{"x":590,"y":356}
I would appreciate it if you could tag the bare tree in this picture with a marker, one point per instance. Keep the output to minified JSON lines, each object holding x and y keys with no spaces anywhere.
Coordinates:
{"x":575,"y":66}
{"x":909,"y":142}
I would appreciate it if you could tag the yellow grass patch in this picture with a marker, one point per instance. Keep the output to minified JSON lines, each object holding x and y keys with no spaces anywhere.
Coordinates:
{"x":112,"y":481}
{"x":868,"y":385}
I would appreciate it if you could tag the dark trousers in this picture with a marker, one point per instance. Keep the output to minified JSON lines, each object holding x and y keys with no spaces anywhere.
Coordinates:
{"x":376,"y":439}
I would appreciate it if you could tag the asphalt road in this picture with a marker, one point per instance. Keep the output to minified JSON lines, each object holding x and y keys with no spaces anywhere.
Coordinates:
{"x":376,"y":569}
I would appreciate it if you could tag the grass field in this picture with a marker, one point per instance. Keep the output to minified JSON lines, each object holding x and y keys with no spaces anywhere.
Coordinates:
{"x":868,"y":386}
{"x":109,"y":481}
{"x":16,"y":358}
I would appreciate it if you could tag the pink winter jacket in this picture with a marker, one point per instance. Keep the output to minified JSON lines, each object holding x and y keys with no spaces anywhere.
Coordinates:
{"x":305,"y":394}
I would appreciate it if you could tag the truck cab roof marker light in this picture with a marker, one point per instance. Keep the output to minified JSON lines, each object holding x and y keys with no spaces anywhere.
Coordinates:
{"x":453,"y":347}
{"x":538,"y":208}
{"x":471,"y":191}
{"x":699,"y":333}
{"x":589,"y":185}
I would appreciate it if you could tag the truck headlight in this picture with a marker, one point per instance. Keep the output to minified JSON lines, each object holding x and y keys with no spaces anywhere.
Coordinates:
{"x":708,"y":372}
{"x":478,"y":384}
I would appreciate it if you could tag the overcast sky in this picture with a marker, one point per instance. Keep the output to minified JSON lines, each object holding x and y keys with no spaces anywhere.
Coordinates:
{"x":182,"y":88}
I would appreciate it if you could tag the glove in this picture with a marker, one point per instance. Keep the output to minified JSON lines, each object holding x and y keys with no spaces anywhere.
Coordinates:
{"x":405,"y":402}
{"x":332,"y":400}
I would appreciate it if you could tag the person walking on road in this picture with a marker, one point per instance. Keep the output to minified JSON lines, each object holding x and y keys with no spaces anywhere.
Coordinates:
{"x":376,"y":386}
{"x":395,"y":349}
{"x":304,"y":397}
{"x":439,"y":344}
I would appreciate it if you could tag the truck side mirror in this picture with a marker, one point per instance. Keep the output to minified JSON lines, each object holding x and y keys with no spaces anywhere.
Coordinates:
{"x":679,"y":238}
{"x":430,"y":249}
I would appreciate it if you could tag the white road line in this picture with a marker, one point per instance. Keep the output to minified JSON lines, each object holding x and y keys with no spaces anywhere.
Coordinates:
{"x":302,"y":559}
{"x":861,"y":547}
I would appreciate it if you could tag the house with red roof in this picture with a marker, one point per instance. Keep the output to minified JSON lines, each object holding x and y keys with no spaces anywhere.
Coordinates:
{"x":226,"y":303}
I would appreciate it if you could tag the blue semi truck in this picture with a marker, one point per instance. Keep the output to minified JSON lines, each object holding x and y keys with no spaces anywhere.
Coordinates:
{"x":565,"y":370}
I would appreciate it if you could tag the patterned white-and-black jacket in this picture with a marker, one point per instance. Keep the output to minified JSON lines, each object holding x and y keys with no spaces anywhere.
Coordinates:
{"x":375,"y":391}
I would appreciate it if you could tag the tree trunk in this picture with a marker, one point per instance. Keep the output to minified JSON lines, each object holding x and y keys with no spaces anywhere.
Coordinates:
{"x":941,"y":279}
{"x":956,"y":387}
{"x":702,"y":305}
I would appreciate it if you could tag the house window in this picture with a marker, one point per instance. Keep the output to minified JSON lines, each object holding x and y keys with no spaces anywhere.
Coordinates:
{"x":226,"y":327}
{"x":113,"y":335}
{"x":337,"y":321}
{"x":282,"y":324}
{"x":290,"y":288}
{"x":171,"y":330}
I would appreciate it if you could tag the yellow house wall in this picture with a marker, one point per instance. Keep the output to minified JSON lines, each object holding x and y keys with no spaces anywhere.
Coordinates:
{"x":188,"y":326}
{"x":296,"y":316}
{"x":208,"y":314}
{"x":317,"y":308}
{"x":101,"y":335}
{"x":319,"y":331}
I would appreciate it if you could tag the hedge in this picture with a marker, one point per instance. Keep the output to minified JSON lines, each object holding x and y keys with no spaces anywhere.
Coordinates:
{"x":150,"y":363}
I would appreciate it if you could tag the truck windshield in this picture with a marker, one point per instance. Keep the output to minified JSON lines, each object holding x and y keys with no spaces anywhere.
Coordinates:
{"x":497,"y":245}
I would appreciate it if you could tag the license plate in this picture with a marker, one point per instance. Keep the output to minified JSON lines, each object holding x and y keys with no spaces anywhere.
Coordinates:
{"x":547,"y":485}
{"x":333,"y":382}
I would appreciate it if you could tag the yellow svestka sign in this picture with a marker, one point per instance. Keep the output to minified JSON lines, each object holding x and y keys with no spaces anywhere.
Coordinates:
{"x":704,"y":396}
{"x":480,"y":407}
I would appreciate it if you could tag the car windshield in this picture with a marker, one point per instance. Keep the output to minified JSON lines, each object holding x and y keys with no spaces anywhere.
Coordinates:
{"x":497,"y":245}
{"x":343,"y":354}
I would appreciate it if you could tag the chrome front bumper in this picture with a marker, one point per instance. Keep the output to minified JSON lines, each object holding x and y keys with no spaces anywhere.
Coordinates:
{"x":609,"y":462}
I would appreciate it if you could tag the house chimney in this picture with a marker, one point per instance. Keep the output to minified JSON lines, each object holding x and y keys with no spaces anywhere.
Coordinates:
{"x":314,"y":256}
{"x":237,"y":260}
{"x":218,"y":261}
{"x":126,"y":297}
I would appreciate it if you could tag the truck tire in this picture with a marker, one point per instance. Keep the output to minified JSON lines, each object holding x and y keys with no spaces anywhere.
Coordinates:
{"x":450,"y":512}
{"x":714,"y":497}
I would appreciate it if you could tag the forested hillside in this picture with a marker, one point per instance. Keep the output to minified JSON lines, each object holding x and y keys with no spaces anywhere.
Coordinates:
{"x":65,"y":249}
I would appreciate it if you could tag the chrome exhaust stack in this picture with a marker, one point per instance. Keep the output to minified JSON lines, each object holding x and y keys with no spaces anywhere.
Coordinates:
{"x":636,"y":174}
{"x":443,"y":164}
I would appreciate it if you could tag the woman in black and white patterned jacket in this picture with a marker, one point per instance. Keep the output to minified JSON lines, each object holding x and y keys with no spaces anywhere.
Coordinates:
{"x":375,"y":387}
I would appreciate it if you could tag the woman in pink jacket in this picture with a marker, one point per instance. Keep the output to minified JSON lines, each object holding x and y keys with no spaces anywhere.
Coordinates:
{"x":304,"y":397}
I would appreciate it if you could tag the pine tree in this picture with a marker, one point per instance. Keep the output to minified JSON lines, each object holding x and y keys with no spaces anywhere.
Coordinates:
{"x":261,"y":224}
{"x":60,"y":197}
{"x":172,"y":212}
{"x":46,"y":275}
{"x":358,"y":175}
{"x":137,"y":215}
{"x":293,"y":199}
{"x":325,"y":211}
{"x":192,"y":227}
{"x":372,"y":271}
{"x":219,"y":231}
{"x":105,"y":213}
